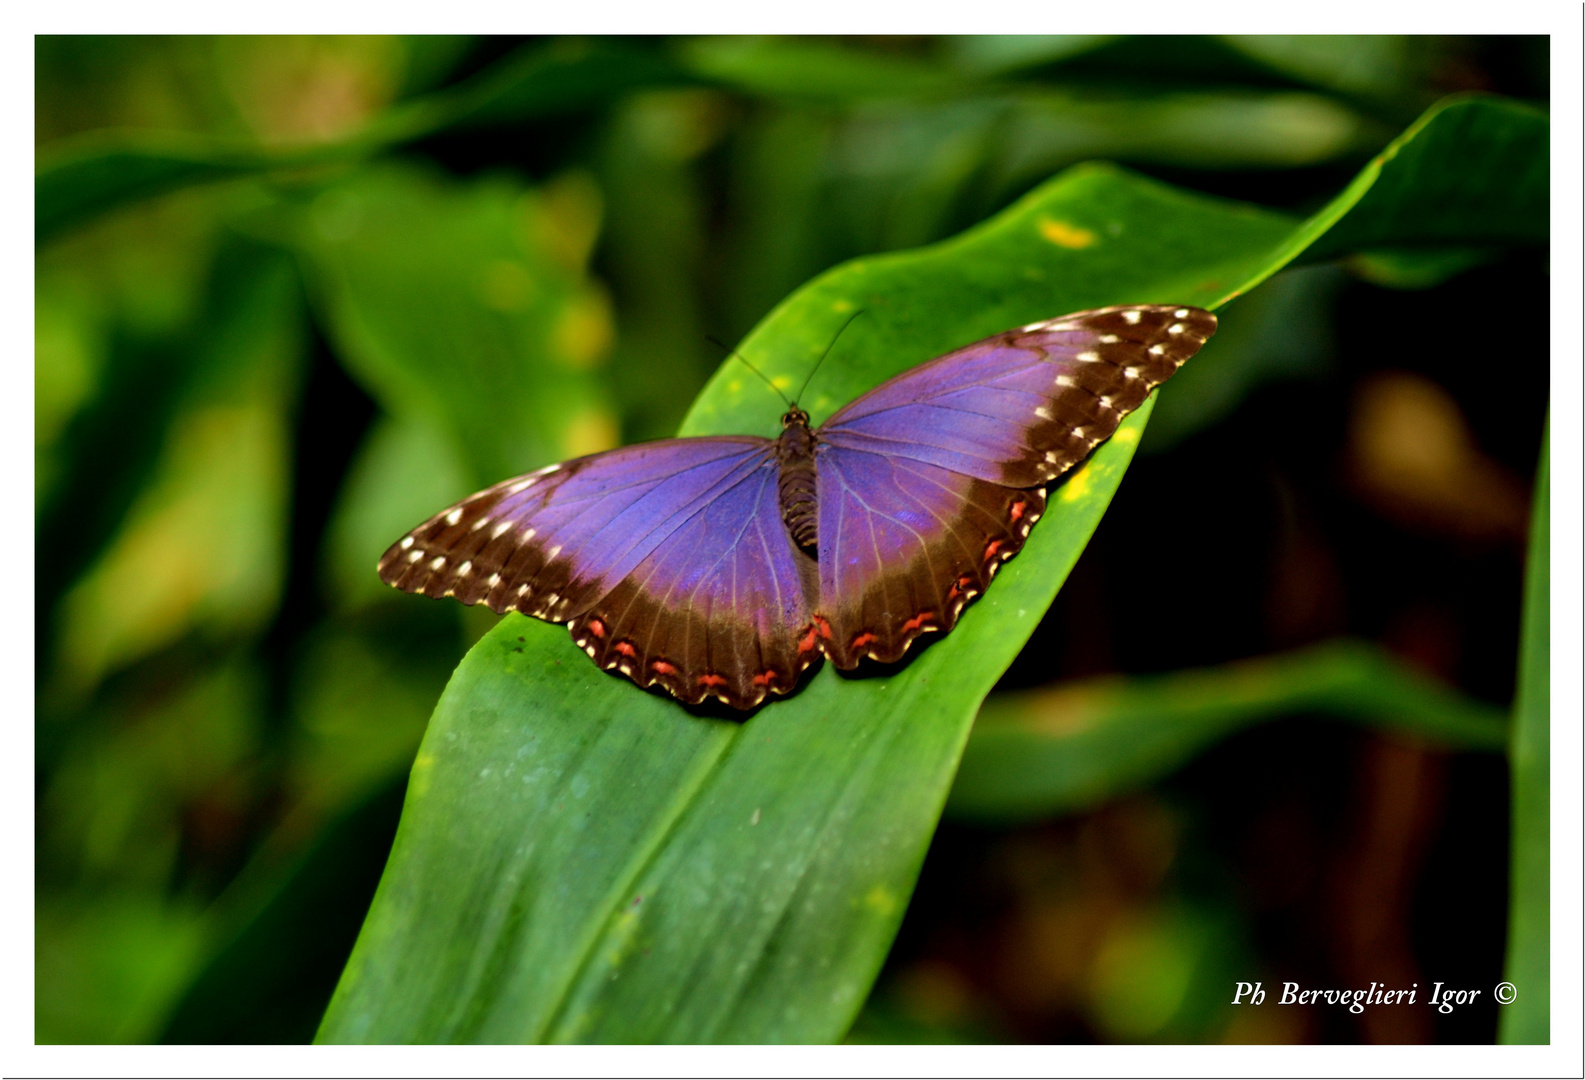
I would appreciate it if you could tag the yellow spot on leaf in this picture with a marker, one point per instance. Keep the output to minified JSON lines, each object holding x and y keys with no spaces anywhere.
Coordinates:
{"x":1064,"y":235}
{"x":1078,"y":486}
{"x":842,"y":306}
{"x":880,"y":900}
{"x":782,"y":382}
{"x":1126,"y":435}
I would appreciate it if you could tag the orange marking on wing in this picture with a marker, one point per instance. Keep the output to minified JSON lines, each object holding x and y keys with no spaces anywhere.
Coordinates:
{"x":991,"y":548}
{"x":960,"y":585}
{"x":661,"y":667}
{"x":712,"y":679}
{"x":625,"y":648}
{"x":1017,"y":510}
{"x":863,"y":640}
{"x":918,"y":621}
{"x":597,"y":628}
{"x":765,"y":678}
{"x":807,"y":642}
{"x":823,"y":626}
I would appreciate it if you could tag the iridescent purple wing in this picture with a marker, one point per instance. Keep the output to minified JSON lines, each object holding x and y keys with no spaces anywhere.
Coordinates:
{"x":668,"y":561}
{"x":929,"y":482}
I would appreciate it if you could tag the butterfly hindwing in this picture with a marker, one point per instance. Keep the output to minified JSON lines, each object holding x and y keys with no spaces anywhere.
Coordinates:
{"x":905,"y":545}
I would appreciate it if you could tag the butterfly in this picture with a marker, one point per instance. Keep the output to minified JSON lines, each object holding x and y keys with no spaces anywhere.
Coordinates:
{"x":724,"y":566}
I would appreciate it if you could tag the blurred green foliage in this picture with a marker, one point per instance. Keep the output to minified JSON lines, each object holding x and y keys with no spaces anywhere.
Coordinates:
{"x":292,"y":294}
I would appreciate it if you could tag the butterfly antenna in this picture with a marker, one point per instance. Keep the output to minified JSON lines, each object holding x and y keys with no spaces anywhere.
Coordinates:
{"x":827,"y":353}
{"x":733,"y":352}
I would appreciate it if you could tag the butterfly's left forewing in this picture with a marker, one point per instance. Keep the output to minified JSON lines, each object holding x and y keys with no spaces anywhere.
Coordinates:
{"x":668,"y":561}
{"x":930,"y":481}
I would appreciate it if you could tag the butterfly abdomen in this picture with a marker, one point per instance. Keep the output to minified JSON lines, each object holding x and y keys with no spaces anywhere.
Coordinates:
{"x":795,"y":484}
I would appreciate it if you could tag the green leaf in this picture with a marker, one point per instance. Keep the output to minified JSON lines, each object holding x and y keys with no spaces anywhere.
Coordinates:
{"x":1529,"y":966}
{"x":578,"y":860}
{"x":1472,"y":170}
{"x":1042,"y":752}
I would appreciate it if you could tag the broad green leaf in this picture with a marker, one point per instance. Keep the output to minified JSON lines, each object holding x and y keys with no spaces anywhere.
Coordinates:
{"x":578,"y":860}
{"x":1041,"y":752}
{"x":1529,"y":964}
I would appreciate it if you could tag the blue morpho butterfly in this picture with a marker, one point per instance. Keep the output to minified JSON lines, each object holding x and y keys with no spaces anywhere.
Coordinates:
{"x":724,"y":566}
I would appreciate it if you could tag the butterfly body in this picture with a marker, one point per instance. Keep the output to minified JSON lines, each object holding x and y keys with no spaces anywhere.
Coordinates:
{"x":725,"y":566}
{"x":797,"y":482}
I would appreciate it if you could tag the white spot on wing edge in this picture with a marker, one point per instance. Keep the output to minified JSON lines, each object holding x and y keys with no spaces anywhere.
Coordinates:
{"x":407,"y":542}
{"x":500,"y":528}
{"x":1063,"y":380}
{"x":1089,"y":356}
{"x":454,"y":517}
{"x":437,"y":562}
{"x":1176,"y":328}
{"x":414,"y":556}
{"x":465,"y":569}
{"x":1181,"y":313}
{"x":1043,"y":412}
{"x":549,"y":555}
{"x":493,"y":580}
{"x":1156,"y":350}
{"x":1130,"y":317}
{"x":481,"y":523}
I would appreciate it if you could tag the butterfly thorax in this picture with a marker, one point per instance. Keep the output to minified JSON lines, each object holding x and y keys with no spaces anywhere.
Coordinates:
{"x":795,"y":456}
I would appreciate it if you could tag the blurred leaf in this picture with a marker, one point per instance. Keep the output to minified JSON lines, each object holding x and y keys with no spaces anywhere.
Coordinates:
{"x":107,"y":970}
{"x":269,"y":982}
{"x":465,"y":307}
{"x":806,"y":69}
{"x":1380,"y":66}
{"x":1041,"y":752}
{"x":988,"y":54}
{"x":1160,"y":974}
{"x":1200,"y":129}
{"x":202,"y":547}
{"x":96,"y":172}
{"x":1416,"y":268}
{"x":404,"y":470}
{"x":360,"y":698}
{"x":653,"y":252}
{"x":582,"y":861}
{"x":1529,"y":964}
{"x":111,"y":807}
